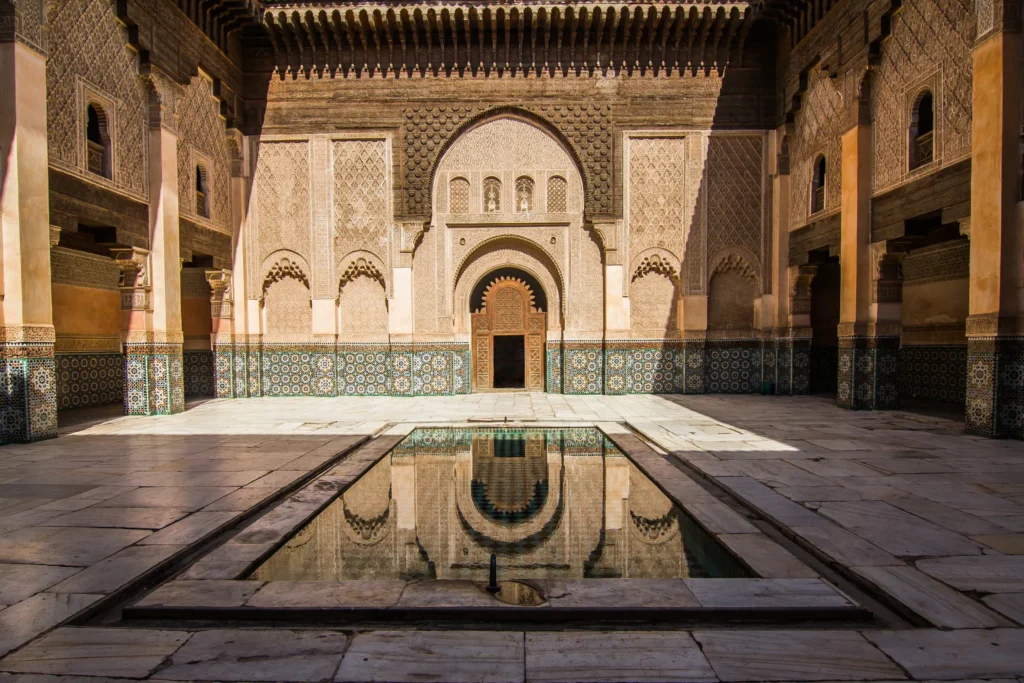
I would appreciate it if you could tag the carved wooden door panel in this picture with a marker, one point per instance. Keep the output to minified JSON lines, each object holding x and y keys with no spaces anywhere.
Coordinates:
{"x":508,"y":310}
{"x":483,"y":366}
{"x":535,"y":336}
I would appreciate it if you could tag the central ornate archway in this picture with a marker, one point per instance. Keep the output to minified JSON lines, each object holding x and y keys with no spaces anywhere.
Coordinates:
{"x":508,"y":335}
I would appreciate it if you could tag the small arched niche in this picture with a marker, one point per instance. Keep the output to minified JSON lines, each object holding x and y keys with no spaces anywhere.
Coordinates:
{"x":202,"y":192}
{"x":818,"y":178}
{"x":922,"y":130}
{"x":97,"y":135}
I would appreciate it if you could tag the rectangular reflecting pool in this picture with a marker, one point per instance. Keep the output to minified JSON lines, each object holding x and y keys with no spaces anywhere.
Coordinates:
{"x":548,"y":503}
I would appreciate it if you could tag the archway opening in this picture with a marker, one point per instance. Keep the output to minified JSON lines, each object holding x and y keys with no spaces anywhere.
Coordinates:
{"x":508,"y":331}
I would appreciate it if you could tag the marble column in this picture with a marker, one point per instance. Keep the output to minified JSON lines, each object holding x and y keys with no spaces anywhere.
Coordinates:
{"x":868,"y":353}
{"x":995,"y":333}
{"x":153,"y":341}
{"x":28,"y":380}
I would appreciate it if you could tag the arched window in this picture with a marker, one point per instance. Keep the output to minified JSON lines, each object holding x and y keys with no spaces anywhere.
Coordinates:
{"x":492,"y":195}
{"x":922,"y":129}
{"x":458,"y":196}
{"x":818,"y":185}
{"x":202,"y":193}
{"x":557,"y":191}
{"x":97,"y":141}
{"x":524,"y":195}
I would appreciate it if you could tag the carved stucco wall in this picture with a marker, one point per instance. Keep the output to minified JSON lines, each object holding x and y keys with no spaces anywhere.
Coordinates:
{"x":508,"y":149}
{"x":930,"y":47}
{"x":202,"y":141}
{"x":657,"y":194}
{"x":363,"y":309}
{"x":89,"y":59}
{"x":427,"y":130}
{"x":818,"y":124}
{"x":731,"y":292}
{"x":281,"y":215}
{"x":361,"y":197}
{"x":288,"y":316}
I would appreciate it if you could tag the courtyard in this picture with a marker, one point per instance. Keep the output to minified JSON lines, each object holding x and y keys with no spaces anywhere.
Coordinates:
{"x":902,"y":514}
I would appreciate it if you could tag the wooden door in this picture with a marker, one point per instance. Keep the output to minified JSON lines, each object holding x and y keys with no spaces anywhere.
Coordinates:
{"x":509,"y":308}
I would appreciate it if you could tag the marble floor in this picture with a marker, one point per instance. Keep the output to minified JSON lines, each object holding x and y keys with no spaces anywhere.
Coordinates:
{"x":927,"y":520}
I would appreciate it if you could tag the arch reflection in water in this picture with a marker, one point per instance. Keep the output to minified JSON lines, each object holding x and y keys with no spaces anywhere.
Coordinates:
{"x":550,"y":503}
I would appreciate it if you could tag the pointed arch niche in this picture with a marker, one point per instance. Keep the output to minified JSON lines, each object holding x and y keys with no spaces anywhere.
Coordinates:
{"x":287,"y":307}
{"x":362,"y":298}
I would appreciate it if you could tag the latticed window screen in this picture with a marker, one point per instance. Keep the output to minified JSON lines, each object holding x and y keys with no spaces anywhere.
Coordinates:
{"x":458,"y":196}
{"x":524,"y":195}
{"x":492,"y":195}
{"x":557,"y":190}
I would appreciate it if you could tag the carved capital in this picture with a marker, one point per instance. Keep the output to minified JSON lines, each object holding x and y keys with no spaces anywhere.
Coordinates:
{"x":886,"y":272}
{"x":24,"y":21}
{"x":855,"y":82}
{"x":800,"y":279}
{"x":220,"y":297}
{"x":135,"y":283}
{"x":965,"y":227}
{"x":165,"y":95}
{"x":410,"y":233}
{"x":608,"y":232}
{"x":54,"y":235}
{"x":235,"y":142}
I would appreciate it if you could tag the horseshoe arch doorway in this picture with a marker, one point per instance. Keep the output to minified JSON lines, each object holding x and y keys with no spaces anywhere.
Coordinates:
{"x":509,"y":328}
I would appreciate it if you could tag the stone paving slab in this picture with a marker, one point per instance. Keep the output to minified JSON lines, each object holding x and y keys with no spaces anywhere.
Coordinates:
{"x":128,"y":653}
{"x":43,"y":611}
{"x":257,"y":655}
{"x":415,"y":656}
{"x":590,"y":657}
{"x":944,"y":655}
{"x":786,"y":655}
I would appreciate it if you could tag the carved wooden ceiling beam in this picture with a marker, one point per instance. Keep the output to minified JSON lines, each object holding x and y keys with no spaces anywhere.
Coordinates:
{"x":534,"y":40}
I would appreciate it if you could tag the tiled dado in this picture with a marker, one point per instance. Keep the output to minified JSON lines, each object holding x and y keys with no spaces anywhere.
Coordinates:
{"x":786,"y":362}
{"x":733,"y":366}
{"x":28,"y":392}
{"x":343,"y":370}
{"x":995,"y":387}
{"x":154,"y":379}
{"x":644,"y":368}
{"x":198,"y":373}
{"x":934,"y":372}
{"x":89,"y":379}
{"x":868,"y":373}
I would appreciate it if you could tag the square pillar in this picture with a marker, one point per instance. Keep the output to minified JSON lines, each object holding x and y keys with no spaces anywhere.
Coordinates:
{"x":151,"y":282}
{"x":28,"y":377}
{"x":995,"y":333}
{"x":868,"y":343}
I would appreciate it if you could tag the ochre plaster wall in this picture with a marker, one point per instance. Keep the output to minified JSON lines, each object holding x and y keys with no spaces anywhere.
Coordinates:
{"x":195,"y":317}
{"x":83,"y":310}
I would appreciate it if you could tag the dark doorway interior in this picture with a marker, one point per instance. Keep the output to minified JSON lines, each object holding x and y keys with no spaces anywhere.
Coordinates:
{"x":509,"y":362}
{"x":825,"y":289}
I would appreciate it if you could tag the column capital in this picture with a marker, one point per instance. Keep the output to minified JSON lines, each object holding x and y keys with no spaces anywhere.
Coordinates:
{"x":855,"y":86}
{"x":54,"y":235}
{"x":409,"y":233}
{"x":221,"y":297}
{"x":136,"y":283}
{"x":886,"y":275}
{"x":24,"y":21}
{"x":165,"y":94}
{"x":997,"y":16}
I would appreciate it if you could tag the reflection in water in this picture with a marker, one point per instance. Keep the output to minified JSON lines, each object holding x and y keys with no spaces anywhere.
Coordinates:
{"x":551,"y":503}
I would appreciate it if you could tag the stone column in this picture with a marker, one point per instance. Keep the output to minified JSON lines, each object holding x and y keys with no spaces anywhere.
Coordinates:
{"x":28,"y":379}
{"x":995,"y":333}
{"x":400,"y":314}
{"x":867,"y":353}
{"x":154,"y":368}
